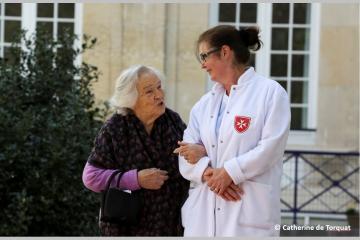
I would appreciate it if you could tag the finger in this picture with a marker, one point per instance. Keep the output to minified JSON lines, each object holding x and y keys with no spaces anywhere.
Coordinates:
{"x":177,"y":150}
{"x":229,"y":197}
{"x":221,"y":189}
{"x":162,"y":172}
{"x":234,"y":195}
{"x":224,"y":197}
{"x":152,"y":169}
{"x":163,"y":177}
{"x":183,"y":151}
{"x":236,"y":188}
{"x":182,"y":143}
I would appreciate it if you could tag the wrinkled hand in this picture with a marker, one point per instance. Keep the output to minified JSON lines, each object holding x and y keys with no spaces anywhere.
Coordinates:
{"x":190,"y":151}
{"x":152,"y":178}
{"x":219,"y":180}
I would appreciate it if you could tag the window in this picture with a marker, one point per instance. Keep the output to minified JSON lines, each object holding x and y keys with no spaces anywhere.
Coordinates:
{"x":55,"y":17}
{"x":289,"y":32}
{"x":240,"y":15}
{"x":10,"y":23}
{"x":289,"y":64}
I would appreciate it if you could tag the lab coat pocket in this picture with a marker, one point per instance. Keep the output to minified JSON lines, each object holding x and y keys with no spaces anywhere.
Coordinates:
{"x":255,"y":208}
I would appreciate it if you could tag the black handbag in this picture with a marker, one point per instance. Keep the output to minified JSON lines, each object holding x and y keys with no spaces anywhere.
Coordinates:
{"x":118,"y":206}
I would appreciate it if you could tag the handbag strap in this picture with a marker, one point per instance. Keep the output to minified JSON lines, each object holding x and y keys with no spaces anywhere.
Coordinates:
{"x":111,"y":178}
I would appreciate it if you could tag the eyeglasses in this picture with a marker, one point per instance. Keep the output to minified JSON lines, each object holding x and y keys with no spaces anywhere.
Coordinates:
{"x":203,"y":56}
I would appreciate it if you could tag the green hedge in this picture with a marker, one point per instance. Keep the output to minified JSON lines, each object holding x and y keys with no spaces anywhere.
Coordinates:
{"x":48,"y":120}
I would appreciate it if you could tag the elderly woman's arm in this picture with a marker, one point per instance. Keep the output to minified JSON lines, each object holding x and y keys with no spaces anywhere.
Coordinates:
{"x":95,"y":179}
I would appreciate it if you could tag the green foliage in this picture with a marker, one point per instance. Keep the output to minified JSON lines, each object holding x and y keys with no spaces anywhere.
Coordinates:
{"x":48,"y":120}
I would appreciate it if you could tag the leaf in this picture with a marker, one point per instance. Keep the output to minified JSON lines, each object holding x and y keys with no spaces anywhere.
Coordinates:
{"x":48,"y":120}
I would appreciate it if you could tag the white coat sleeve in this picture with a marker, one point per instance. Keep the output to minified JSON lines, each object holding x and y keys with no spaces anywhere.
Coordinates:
{"x":271,"y":146}
{"x":193,"y":172}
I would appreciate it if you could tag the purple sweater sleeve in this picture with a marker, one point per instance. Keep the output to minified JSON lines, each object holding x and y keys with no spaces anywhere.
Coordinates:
{"x":95,"y":179}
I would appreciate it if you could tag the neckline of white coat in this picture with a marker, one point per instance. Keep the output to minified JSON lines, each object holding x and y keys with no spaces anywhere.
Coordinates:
{"x":244,"y":78}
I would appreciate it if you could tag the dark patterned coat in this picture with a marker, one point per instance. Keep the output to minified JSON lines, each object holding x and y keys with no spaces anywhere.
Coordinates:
{"x":124,"y":144}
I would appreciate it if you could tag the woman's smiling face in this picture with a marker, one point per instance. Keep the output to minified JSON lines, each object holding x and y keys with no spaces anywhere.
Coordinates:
{"x":213,"y":63}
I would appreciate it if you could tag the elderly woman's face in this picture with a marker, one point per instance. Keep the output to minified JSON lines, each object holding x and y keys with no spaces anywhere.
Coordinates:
{"x":150,"y":100}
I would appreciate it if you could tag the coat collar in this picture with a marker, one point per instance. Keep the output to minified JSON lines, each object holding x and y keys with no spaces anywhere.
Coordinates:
{"x":244,"y":78}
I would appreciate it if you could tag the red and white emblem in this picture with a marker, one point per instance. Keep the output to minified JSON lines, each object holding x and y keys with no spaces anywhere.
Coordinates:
{"x":241,"y":123}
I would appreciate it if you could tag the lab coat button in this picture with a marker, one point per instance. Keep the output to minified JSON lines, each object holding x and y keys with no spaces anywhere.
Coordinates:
{"x":211,"y":116}
{"x":213,"y":146}
{"x":227,"y":112}
{"x":218,"y":209}
{"x":234,"y":88}
{"x":221,"y":141}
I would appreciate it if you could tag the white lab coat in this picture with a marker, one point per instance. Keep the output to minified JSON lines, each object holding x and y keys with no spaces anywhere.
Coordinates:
{"x":253,"y":159}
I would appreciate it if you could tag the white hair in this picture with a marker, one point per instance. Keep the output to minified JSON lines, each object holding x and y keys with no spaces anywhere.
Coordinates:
{"x":126,"y":94}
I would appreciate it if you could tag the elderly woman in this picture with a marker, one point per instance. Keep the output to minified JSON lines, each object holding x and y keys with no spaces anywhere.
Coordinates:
{"x":138,"y":140}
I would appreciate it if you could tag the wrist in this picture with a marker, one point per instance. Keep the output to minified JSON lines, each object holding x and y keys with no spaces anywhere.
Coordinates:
{"x":139,"y":178}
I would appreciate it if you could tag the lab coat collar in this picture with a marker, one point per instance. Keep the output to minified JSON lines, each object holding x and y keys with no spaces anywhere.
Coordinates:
{"x":244,"y":78}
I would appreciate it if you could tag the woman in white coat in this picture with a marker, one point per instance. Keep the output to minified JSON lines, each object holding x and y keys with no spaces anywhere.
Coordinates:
{"x":243,"y":123}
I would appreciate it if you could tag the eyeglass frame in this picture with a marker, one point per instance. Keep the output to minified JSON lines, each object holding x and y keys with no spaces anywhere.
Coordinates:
{"x":203,"y":56}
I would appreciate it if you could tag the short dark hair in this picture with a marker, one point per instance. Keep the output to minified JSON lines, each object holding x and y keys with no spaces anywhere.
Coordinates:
{"x":240,"y":41}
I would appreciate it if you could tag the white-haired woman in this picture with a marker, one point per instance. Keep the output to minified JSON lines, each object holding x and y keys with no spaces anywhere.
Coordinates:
{"x":139,"y":140}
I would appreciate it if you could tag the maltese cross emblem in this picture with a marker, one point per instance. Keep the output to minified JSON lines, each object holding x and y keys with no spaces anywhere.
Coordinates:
{"x":241,"y":123}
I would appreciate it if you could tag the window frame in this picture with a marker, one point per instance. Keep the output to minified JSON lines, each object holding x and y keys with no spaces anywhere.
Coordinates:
{"x":3,"y":18}
{"x":29,"y":19}
{"x":262,"y":63}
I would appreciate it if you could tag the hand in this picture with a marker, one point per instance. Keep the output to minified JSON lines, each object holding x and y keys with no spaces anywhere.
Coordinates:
{"x":191,"y":152}
{"x":207,"y":174}
{"x":152,"y":178}
{"x":219,"y":180}
{"x":232,"y":193}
